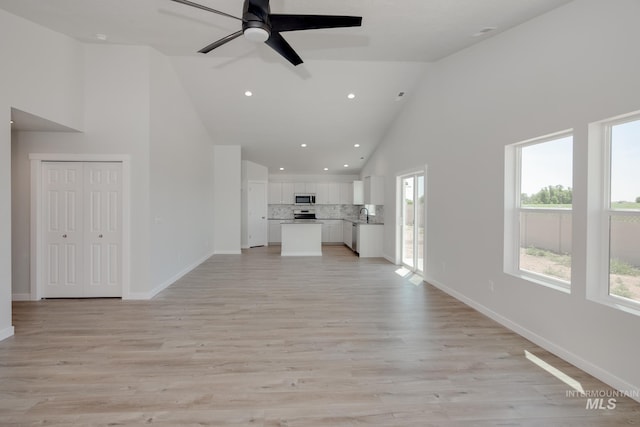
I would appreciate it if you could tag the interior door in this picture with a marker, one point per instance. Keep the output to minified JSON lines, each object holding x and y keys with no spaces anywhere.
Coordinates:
{"x":258,"y":226}
{"x":82,"y":217}
{"x":103,"y":229}
{"x":63,"y":229}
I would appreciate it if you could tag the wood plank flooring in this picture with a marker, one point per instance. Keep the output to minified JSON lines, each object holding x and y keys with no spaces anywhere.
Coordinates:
{"x":262,"y":340}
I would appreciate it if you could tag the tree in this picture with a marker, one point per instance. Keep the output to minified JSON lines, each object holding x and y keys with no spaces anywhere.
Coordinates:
{"x":551,"y":195}
{"x":638,"y":199}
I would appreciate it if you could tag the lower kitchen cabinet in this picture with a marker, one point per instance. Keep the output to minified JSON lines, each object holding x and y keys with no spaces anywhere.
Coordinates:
{"x":347,"y":233}
{"x":370,"y":240}
{"x":275,"y":231}
{"x":331,"y":231}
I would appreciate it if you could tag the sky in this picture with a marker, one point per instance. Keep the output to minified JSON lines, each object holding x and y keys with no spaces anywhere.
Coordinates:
{"x":545,"y":164}
{"x":550,"y":163}
{"x":625,"y":162}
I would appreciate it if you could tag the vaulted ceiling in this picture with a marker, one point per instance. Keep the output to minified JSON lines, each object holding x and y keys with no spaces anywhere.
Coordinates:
{"x":291,"y":106}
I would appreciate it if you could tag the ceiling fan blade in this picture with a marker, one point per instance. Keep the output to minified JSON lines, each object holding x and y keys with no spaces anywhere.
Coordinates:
{"x":208,"y":9}
{"x":220,"y":42}
{"x":280,"y":45}
{"x":280,"y":22}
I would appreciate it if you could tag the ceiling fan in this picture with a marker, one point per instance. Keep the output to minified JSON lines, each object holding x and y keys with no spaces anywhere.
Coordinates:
{"x":260,"y":25}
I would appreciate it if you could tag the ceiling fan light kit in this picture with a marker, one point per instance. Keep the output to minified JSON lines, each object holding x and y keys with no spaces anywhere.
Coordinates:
{"x":256,"y":35}
{"x":260,"y":25}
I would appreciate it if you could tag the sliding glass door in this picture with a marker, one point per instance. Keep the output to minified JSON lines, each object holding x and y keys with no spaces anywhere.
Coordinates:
{"x":412,"y":206}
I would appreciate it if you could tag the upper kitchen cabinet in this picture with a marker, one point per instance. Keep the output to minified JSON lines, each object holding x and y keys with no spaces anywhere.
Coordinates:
{"x":304,"y":188}
{"x":327,"y":193}
{"x":281,"y":193}
{"x":346,"y":193}
{"x":374,"y":190}
{"x":322,"y":193}
{"x":358,"y":193}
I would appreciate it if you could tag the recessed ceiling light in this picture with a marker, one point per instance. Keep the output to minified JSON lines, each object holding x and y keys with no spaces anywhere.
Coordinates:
{"x":281,"y":169}
{"x":485,"y":30}
{"x":303,"y":145}
{"x":356,"y":145}
{"x":248,"y":93}
{"x":346,"y":166}
{"x":326,"y":169}
{"x":102,"y":37}
{"x":11,"y":122}
{"x":351,"y":95}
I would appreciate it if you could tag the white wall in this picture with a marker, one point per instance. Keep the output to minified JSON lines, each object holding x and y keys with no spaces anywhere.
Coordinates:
{"x":128,"y":101}
{"x":227,"y":199}
{"x":181,"y":179}
{"x":41,"y":72}
{"x":562,"y":70}
{"x":116,"y":121}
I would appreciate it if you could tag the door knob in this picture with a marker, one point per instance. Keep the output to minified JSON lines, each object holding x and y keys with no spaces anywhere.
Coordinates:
{"x":100,"y":236}
{"x":64,"y":236}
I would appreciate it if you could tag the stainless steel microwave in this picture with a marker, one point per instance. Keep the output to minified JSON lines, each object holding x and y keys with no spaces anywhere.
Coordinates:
{"x":305,"y":199}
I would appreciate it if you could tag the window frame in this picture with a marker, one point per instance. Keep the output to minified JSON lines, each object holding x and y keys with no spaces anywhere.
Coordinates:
{"x":598,"y":282}
{"x":514,"y":210}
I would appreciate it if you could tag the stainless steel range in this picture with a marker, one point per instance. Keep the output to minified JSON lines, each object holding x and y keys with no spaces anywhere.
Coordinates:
{"x":304,"y":214}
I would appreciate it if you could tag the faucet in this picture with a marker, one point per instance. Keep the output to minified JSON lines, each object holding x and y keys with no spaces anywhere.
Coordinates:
{"x":367,"y":211}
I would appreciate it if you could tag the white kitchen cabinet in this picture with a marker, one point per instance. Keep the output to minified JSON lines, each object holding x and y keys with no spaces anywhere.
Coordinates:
{"x":334,"y":193}
{"x":311,"y":187}
{"x":331,"y":231}
{"x":374,"y":190}
{"x":370,"y":240}
{"x":280,"y":193}
{"x":358,"y":193}
{"x":347,"y":233}
{"x":299,"y":187}
{"x":322,"y":193}
{"x":346,"y":193}
{"x":287,"y":194}
{"x":275,"y":193}
{"x":275,"y":231}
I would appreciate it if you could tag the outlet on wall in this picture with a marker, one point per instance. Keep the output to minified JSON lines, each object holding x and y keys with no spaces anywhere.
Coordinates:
{"x":491,"y":287}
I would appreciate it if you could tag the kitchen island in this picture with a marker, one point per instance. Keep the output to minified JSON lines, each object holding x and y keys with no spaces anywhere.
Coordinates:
{"x":301,"y":238}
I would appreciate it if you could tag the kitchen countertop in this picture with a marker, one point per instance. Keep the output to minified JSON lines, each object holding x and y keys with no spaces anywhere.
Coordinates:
{"x":361,"y":222}
{"x":301,"y":221}
{"x":293,"y":221}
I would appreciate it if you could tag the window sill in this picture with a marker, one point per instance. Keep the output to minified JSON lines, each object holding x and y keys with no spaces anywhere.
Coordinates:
{"x":617,"y":303}
{"x":543,"y":280}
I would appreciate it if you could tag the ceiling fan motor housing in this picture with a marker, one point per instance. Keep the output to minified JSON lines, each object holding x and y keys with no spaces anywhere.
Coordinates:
{"x":256,"y":25}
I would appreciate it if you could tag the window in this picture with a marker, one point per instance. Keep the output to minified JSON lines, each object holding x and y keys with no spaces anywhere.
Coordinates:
{"x":538,"y":204}
{"x":621,"y":220}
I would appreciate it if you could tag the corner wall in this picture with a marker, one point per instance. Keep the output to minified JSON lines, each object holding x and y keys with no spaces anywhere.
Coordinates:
{"x":181,"y":179}
{"x":42,"y":73}
{"x":227,"y":199}
{"x":562,"y":70}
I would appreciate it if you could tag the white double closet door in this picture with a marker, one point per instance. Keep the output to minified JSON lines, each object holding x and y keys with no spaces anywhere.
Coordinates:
{"x":82,"y":226}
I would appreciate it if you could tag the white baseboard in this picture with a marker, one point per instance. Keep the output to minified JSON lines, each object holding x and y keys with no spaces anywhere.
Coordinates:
{"x":229,"y":252}
{"x":388,"y":258}
{"x":164,"y":285}
{"x":21,"y":297}
{"x":6,"y":333}
{"x":594,"y":370}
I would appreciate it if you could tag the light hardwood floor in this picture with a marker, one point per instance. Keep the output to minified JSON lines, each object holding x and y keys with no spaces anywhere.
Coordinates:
{"x":261,"y":340}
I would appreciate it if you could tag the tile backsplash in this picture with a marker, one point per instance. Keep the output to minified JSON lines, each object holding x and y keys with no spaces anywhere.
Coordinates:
{"x":376,"y":213}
